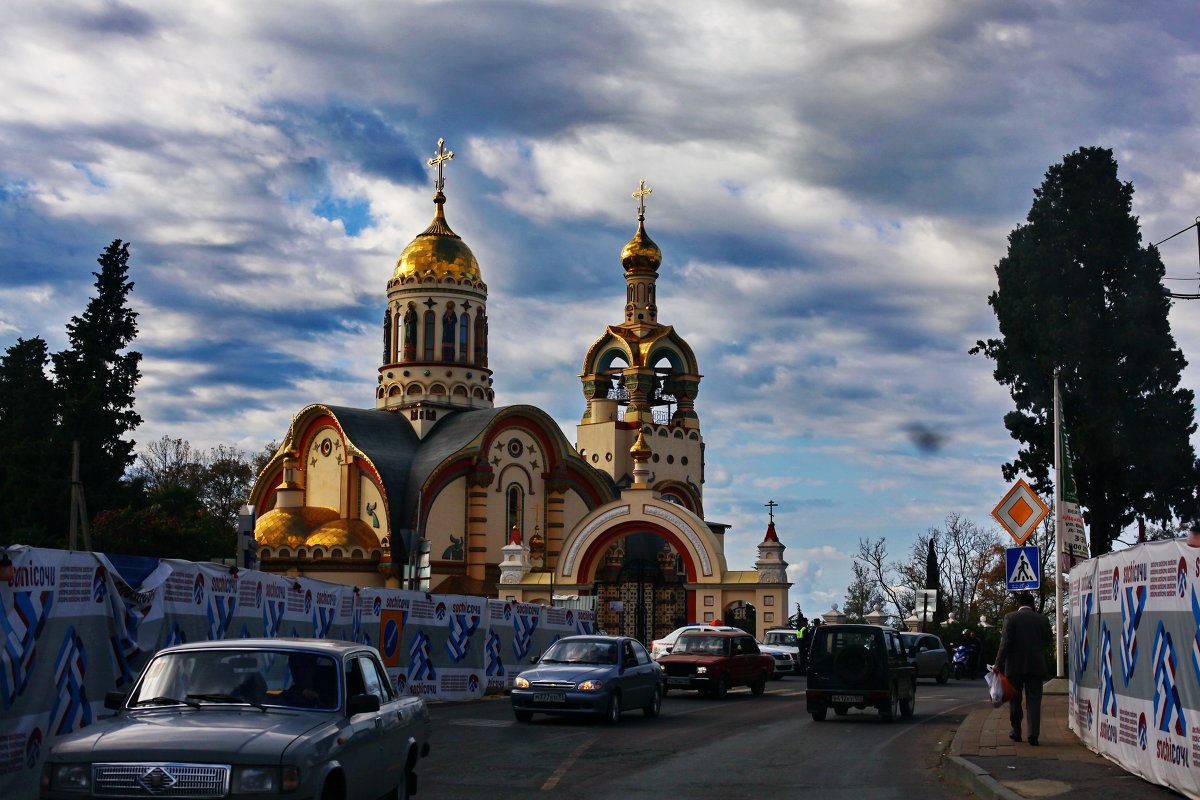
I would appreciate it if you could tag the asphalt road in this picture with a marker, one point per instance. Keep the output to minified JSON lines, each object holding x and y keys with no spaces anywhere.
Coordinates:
{"x":739,"y":747}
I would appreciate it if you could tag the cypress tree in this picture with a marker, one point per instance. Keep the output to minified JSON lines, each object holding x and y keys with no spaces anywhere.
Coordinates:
{"x":1078,"y":292}
{"x":95,"y":378}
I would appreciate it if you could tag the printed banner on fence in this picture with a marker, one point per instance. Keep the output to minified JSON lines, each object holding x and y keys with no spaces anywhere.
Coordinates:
{"x":1134,"y":644}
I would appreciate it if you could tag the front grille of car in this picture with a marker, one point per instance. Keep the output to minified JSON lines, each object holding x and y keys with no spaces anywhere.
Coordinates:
{"x":551,"y":684}
{"x":160,"y":780}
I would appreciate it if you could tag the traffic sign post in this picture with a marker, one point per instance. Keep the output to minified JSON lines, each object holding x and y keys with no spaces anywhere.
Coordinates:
{"x":1020,"y":511}
{"x":1022,"y":568}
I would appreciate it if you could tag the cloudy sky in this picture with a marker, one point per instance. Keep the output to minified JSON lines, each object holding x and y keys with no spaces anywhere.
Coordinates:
{"x":833,"y":185}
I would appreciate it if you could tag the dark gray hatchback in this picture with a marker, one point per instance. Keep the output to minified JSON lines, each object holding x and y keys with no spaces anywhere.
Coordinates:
{"x":860,"y":666}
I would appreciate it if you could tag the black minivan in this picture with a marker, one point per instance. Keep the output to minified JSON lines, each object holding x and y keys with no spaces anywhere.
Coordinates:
{"x":860,"y":666}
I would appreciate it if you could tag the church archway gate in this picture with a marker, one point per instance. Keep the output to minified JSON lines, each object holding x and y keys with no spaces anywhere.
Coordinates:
{"x":640,"y":589}
{"x":741,"y":614}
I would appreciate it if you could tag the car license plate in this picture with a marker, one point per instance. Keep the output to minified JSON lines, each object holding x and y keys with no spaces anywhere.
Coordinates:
{"x":846,"y":698}
{"x":549,"y":697}
{"x":679,"y":681}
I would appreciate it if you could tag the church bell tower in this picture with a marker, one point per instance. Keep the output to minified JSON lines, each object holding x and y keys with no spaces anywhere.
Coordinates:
{"x":641,"y":378}
{"x":435,"y":358}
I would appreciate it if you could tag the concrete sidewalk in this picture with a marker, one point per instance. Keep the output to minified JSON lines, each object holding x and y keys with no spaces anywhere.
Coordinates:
{"x":984,"y":760}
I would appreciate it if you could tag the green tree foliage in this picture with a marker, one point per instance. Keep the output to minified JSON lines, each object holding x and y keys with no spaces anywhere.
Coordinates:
{"x":95,"y":377}
{"x":171,"y":522}
{"x":34,"y":483}
{"x":219,"y":478}
{"x":1078,"y":291}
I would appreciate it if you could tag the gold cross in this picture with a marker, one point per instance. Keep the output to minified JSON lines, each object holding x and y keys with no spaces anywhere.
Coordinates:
{"x":640,"y":196}
{"x":442,"y":155}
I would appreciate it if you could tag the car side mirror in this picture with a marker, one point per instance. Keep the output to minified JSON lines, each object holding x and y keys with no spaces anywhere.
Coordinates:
{"x":362,"y":704}
{"x":115,"y":700}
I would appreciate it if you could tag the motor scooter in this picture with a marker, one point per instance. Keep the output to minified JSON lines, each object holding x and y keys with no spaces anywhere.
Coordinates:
{"x":961,"y":662}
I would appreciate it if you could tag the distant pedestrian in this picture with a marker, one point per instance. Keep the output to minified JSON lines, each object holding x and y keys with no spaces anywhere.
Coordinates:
{"x":1022,"y":659}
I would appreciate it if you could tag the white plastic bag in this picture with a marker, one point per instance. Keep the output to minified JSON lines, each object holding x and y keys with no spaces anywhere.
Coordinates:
{"x":1000,"y":690}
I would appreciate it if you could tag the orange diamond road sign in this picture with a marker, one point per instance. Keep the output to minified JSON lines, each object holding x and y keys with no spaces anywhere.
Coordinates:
{"x":1020,"y":511}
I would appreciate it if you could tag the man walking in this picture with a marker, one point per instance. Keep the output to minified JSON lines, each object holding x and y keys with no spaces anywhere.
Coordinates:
{"x":1022,"y":659}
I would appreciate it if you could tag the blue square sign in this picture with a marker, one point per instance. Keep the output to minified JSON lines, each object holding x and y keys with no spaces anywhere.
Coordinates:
{"x":1022,"y":568}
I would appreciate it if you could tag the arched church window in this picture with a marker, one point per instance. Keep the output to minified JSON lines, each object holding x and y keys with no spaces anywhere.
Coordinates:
{"x":410,"y":334}
{"x":429,"y":336}
{"x":387,"y":336}
{"x":464,"y":336}
{"x":516,"y":508}
{"x":480,"y":339}
{"x":449,"y":329}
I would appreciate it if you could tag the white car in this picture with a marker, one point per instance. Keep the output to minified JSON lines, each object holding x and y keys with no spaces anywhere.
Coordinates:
{"x":660,"y":647}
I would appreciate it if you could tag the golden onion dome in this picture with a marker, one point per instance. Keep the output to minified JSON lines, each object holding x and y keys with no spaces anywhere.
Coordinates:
{"x":438,"y":251}
{"x":289,"y":527}
{"x":641,"y":254}
{"x":344,"y":533}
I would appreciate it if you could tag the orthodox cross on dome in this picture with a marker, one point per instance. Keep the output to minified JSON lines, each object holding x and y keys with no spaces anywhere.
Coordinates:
{"x":771,"y":506}
{"x":442,"y":156}
{"x":640,"y":196}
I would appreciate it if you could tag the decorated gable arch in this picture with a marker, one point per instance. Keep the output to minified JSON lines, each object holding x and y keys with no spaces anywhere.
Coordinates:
{"x":584,"y":547}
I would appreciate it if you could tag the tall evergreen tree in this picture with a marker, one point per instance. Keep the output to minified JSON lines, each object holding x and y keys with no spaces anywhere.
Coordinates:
{"x":96,"y":377}
{"x":1078,"y":292}
{"x":33,"y":480}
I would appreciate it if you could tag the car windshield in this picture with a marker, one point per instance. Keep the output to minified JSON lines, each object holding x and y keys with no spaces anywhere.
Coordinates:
{"x":910,"y":640}
{"x":253,"y":677}
{"x":698,"y":644}
{"x":577,"y":651}
{"x":785,"y":639}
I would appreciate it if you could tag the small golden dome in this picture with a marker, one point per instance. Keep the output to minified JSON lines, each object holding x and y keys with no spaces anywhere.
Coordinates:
{"x":289,"y":527}
{"x":344,"y":533}
{"x":641,"y":254}
{"x":640,"y":450}
{"x":438,"y":251}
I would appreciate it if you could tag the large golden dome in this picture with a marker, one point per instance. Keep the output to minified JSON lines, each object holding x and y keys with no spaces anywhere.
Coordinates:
{"x":344,"y":533}
{"x":438,"y":251}
{"x":289,"y":527}
{"x":641,"y":254}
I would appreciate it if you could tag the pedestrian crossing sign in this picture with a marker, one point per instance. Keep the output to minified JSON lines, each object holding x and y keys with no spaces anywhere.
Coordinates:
{"x":1022,"y":568}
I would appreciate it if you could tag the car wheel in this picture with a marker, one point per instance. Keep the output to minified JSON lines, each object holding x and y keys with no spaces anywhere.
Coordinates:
{"x":889,"y":712}
{"x":522,"y":716}
{"x":908,"y":705}
{"x":655,"y":706}
{"x":841,"y":711}
{"x":334,"y":788}
{"x":612,"y":711}
{"x":818,"y":715}
{"x":722,"y":687}
{"x":759,"y":686}
{"x":944,"y":675}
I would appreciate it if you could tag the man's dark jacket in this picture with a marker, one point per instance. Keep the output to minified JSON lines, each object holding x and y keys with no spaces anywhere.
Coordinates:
{"x":1022,"y":643}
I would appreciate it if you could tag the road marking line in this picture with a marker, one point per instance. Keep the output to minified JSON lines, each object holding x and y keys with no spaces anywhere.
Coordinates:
{"x":553,"y":780}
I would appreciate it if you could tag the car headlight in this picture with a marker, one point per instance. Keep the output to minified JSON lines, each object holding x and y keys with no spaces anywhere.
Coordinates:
{"x":521,"y":683}
{"x":264,"y":780}
{"x":701,"y":670}
{"x":69,"y":777}
{"x":590,"y":686}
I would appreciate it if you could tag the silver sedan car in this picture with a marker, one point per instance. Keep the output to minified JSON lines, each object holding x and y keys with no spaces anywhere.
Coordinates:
{"x":249,"y":718}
